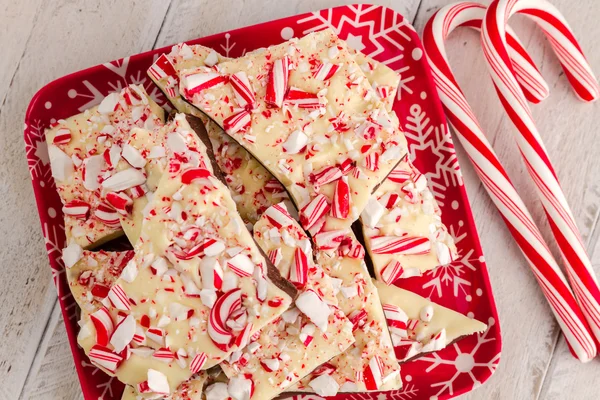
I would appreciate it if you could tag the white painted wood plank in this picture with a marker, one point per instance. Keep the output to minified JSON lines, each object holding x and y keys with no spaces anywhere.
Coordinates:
{"x":53,"y":376}
{"x":568,"y":130}
{"x":17,"y":20}
{"x":64,"y":37}
{"x":191,"y":19}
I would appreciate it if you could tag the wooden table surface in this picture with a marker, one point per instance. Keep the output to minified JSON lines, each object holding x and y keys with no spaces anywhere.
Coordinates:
{"x":44,"y":40}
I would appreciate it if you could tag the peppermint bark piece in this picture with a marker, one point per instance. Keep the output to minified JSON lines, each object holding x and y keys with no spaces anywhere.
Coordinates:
{"x":419,"y":326}
{"x":92,"y":276}
{"x":306,"y":111}
{"x":307,"y":335}
{"x":403,"y":229}
{"x":85,"y":150}
{"x":254,"y":188}
{"x":198,"y":286}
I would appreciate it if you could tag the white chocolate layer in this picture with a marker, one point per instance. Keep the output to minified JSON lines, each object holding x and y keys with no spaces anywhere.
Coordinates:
{"x":87,"y":137}
{"x":435,"y":326}
{"x":372,"y":338}
{"x":346,"y":121}
{"x":169,"y":291}
{"x":291,"y":347}
{"x":402,"y":209}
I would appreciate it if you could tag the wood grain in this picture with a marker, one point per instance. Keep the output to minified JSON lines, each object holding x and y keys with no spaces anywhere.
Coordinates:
{"x":44,"y":41}
{"x":64,"y":36}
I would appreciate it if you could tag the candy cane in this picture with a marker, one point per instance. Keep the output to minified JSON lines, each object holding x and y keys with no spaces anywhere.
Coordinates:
{"x":578,"y":265}
{"x":496,"y":181}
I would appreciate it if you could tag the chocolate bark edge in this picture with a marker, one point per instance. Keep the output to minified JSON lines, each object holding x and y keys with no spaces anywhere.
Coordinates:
{"x":272,"y":272}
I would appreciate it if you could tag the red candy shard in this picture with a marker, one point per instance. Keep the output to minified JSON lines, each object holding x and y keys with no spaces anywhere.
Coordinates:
{"x":277,"y":83}
{"x":405,"y":245}
{"x":314,"y":210}
{"x":340,"y":207}
{"x":299,"y":272}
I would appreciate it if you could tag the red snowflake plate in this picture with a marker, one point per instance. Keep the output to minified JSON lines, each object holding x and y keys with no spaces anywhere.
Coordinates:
{"x":384,"y":35}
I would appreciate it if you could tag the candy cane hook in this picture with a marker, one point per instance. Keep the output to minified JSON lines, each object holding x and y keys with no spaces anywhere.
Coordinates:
{"x":496,"y":181}
{"x":493,"y":39}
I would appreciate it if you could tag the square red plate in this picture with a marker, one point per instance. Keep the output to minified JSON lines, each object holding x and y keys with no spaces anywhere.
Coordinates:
{"x":382,"y":34}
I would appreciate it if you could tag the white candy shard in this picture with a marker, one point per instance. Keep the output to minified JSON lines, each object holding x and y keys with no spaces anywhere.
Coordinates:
{"x":240,"y":388}
{"x":60,"y":163}
{"x":109,"y":104}
{"x":325,"y":385}
{"x":295,"y":142}
{"x":71,"y":254}
{"x":133,"y":156}
{"x":123,"y":334}
{"x":372,"y":212}
{"x":130,"y":271}
{"x":125,"y":179}
{"x":311,"y":304}
{"x":157,"y":382}
{"x":217,"y":391}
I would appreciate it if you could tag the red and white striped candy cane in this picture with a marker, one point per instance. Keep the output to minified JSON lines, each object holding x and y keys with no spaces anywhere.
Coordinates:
{"x":493,"y":39}
{"x":496,"y":181}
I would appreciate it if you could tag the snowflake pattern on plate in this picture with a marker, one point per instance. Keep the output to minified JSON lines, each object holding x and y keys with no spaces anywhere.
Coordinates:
{"x":384,"y":35}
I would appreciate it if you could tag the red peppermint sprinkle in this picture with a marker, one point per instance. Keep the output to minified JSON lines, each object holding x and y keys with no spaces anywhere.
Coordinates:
{"x":277,"y":83}
{"x":314,"y":210}
{"x":405,"y":245}
{"x":76,"y":208}
{"x":340,"y":206}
